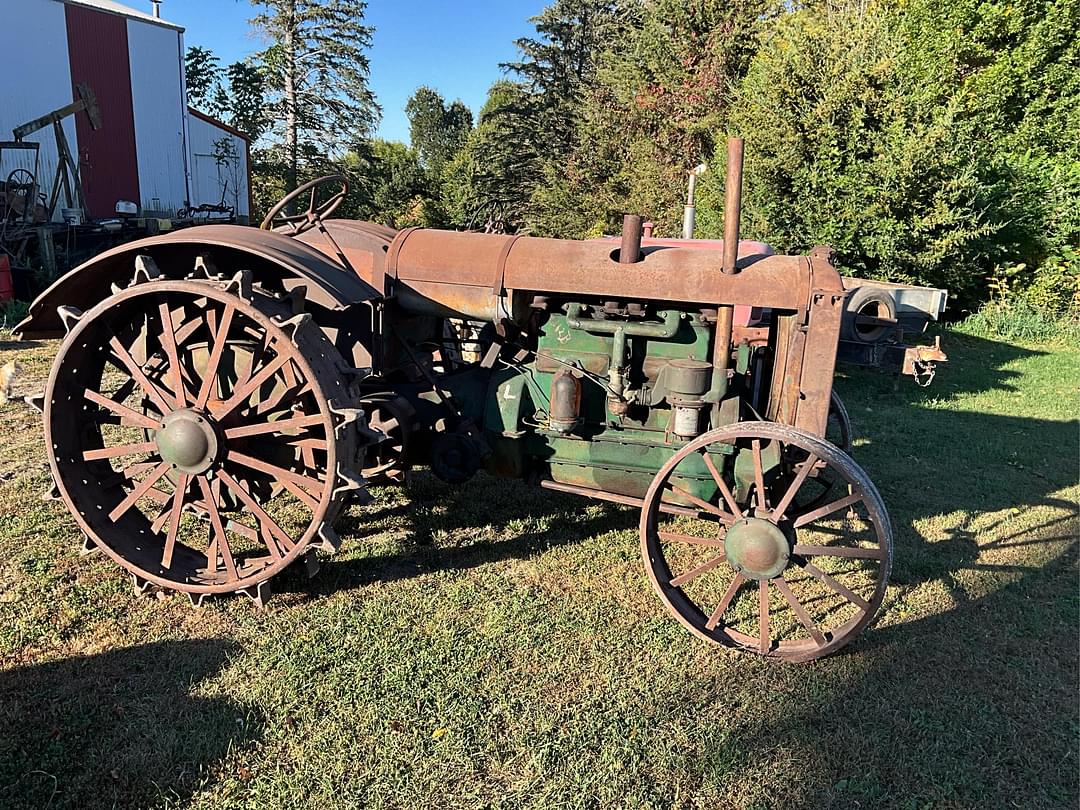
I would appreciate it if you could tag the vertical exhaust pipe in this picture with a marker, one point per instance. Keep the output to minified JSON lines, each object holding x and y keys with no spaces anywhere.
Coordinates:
{"x":630,"y":249}
{"x":724,"y":315}
{"x":732,"y":203}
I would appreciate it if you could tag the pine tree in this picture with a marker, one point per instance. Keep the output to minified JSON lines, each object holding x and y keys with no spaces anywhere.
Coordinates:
{"x":559,"y":64}
{"x":489,"y":182}
{"x":316,"y":73}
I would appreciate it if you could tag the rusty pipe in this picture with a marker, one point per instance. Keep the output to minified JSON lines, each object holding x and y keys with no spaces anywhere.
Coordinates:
{"x":630,"y":250}
{"x":725,"y":314}
{"x":732,"y":204}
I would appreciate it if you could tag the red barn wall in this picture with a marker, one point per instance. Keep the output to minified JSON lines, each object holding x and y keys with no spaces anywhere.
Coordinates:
{"x":98,"y":54}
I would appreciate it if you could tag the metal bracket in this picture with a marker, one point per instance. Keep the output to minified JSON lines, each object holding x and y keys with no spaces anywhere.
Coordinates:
{"x":291,"y":326}
{"x":346,"y":415}
{"x":241,"y":284}
{"x":350,"y":482}
{"x":205,"y":268}
{"x":146,"y":269}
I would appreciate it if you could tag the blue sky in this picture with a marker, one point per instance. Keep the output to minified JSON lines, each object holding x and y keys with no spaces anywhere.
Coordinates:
{"x":455,"y":47}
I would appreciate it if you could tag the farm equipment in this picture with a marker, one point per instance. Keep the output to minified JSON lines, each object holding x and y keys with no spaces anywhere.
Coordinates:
{"x":222,"y":393}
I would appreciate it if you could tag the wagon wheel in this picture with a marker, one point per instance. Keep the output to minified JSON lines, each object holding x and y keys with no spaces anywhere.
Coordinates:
{"x":21,"y":190}
{"x":201,"y":435}
{"x":753,"y":569}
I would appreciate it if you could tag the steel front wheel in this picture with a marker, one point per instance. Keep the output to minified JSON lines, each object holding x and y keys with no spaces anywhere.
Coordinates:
{"x":200,"y":434}
{"x":763,"y":566}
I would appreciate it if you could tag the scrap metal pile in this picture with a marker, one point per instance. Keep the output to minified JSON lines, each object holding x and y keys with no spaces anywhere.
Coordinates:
{"x":222,"y":393}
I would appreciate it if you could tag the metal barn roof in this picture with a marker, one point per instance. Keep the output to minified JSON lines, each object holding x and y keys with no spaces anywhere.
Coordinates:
{"x":112,"y":7}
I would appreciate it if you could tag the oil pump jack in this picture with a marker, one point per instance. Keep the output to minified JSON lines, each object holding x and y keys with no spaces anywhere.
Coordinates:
{"x":67,"y":168}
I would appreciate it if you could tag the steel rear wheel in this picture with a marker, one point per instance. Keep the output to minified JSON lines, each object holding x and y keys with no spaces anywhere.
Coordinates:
{"x":201,"y":434}
{"x":759,"y":566}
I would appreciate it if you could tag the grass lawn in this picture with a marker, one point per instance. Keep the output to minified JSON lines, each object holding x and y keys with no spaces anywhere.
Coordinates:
{"x":498,"y":646}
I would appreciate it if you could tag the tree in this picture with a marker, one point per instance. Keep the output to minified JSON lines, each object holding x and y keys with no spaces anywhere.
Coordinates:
{"x":489,"y":182}
{"x":917,"y":140}
{"x":436,"y":131}
{"x":658,"y":101}
{"x":243,"y":100}
{"x":203,"y":78}
{"x":559,"y":64}
{"x":316,"y":72}
{"x":400,"y":192}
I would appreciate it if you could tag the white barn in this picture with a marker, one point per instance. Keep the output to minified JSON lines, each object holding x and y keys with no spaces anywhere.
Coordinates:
{"x":151,"y":149}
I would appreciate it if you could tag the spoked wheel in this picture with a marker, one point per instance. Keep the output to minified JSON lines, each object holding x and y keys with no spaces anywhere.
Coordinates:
{"x":762,"y":566}
{"x":200,"y":434}
{"x":838,"y":430}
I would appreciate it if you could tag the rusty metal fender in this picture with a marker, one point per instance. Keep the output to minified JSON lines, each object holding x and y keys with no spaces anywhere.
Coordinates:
{"x":275,"y":261}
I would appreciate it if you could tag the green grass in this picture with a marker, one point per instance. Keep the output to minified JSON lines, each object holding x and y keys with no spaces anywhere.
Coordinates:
{"x":499,"y":646}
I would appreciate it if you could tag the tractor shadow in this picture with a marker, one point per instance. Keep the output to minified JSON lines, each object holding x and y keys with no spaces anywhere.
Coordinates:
{"x":952,"y":478}
{"x":483,"y":521}
{"x":971,"y":707}
{"x":121,"y":728}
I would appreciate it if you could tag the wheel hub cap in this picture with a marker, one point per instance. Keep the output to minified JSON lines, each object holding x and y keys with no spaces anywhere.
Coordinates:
{"x":757,"y":548}
{"x":187,"y":440}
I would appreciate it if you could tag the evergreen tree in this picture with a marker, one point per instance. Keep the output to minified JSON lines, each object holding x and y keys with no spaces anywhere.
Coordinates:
{"x":657,"y":104}
{"x":316,"y":72}
{"x":489,"y":182}
{"x":558,"y":65}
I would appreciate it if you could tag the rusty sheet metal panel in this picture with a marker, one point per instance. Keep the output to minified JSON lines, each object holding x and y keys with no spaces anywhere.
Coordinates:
{"x":819,"y":361}
{"x":98,"y":55}
{"x":685,"y":275}
{"x":328,"y":283}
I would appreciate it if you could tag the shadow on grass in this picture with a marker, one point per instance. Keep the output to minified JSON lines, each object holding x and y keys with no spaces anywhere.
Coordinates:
{"x":973,"y":707}
{"x":537,"y":519}
{"x":16,"y":345}
{"x":117,"y":729}
{"x":937,"y":463}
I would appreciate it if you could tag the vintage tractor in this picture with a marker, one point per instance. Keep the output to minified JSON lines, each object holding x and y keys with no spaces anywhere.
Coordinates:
{"x":221,"y":393}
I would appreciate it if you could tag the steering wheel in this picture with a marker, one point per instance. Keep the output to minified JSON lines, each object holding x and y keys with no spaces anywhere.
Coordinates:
{"x":315,"y":213}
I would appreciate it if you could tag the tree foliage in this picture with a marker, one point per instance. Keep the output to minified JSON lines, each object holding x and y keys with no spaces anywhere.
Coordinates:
{"x":928,"y":141}
{"x":203,"y":76}
{"x":489,"y":182}
{"x":662,"y":92}
{"x":316,"y":70}
{"x":436,"y":130}
{"x":912,"y":137}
